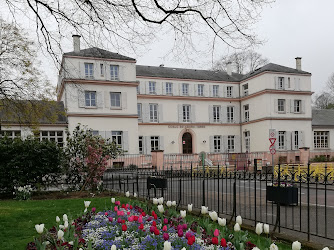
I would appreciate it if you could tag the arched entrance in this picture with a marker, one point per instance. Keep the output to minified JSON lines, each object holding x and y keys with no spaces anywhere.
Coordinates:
{"x":187,"y":143}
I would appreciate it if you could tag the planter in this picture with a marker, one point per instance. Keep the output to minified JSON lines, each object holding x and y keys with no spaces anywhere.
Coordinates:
{"x":282,"y":195}
{"x":158,"y":182}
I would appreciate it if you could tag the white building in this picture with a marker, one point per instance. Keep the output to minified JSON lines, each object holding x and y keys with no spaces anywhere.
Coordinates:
{"x":146,"y":108}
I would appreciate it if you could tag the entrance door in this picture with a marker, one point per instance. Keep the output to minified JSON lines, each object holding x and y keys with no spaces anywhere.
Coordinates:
{"x":187,"y":143}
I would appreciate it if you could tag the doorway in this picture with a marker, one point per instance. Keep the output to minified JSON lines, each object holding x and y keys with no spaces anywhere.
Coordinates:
{"x":187,"y":143}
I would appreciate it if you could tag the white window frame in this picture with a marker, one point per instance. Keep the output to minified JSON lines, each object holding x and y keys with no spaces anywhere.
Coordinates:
{"x":115,"y":100}
{"x":246,"y":113}
{"x":154,"y":140}
{"x":141,"y":145}
{"x":90,"y":98}
{"x":321,"y":139}
{"x":169,"y":88}
{"x":217,"y":143}
{"x":216,"y":113}
{"x":11,"y":134}
{"x":281,"y":105}
{"x":185,"y":89}
{"x":89,"y":70}
{"x":114,"y":72}
{"x":229,"y":91}
{"x":230,"y":143}
{"x":117,"y":137}
{"x":297,"y":105}
{"x":152,"y":87}
{"x":153,"y":112}
{"x":296,"y":140}
{"x":245,"y":89}
{"x":139,"y":111}
{"x":54,"y":135}
{"x":281,"y":140}
{"x":186,"y":109}
{"x":215,"y":90}
{"x":200,"y":89}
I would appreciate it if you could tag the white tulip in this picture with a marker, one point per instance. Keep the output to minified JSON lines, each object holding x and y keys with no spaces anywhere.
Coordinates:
{"x":296,"y":245}
{"x":57,"y":219}
{"x":39,"y":228}
{"x":61,"y":226}
{"x":85,"y":211}
{"x":273,"y":247}
{"x":183,"y":248}
{"x":239,"y":220}
{"x":174,"y":203}
{"x":65,"y":217}
{"x":87,"y":203}
{"x":213,"y":215}
{"x":325,"y":248}
{"x":66,"y":224}
{"x":222,"y":222}
{"x":167,"y":245}
{"x":161,"y":208}
{"x":236,"y":227}
{"x":259,"y":228}
{"x":135,"y":195}
{"x":60,"y":235}
{"x":161,"y":200}
{"x":113,"y":247}
{"x":71,"y":243}
{"x":183,"y":213}
{"x":204,"y":210}
{"x":127,"y":194}
{"x":113,"y":200}
{"x":45,"y":243}
{"x":190,"y":207}
{"x":169,"y":203}
{"x":255,"y":248}
{"x":266,"y":228}
{"x":155,"y":201}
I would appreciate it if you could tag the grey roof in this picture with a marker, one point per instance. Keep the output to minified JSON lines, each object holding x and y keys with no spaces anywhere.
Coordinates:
{"x":323,"y":117}
{"x":165,"y":72}
{"x":99,"y":53}
{"x":272,"y":67}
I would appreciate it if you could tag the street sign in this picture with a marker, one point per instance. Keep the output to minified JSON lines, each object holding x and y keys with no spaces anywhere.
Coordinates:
{"x":272,"y":151}
{"x":272,"y":140}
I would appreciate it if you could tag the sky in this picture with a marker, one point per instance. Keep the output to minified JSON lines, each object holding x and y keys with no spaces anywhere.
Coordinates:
{"x":298,"y":28}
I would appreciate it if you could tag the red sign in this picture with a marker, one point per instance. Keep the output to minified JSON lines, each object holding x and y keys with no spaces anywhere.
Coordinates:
{"x":272,"y":151}
{"x":272,"y":141}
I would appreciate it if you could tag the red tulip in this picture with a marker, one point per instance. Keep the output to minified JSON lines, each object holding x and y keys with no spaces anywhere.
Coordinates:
{"x":166,"y":236}
{"x":154,"y":224}
{"x":156,"y":231}
{"x":124,"y":227}
{"x":191,"y":240}
{"x":223,"y":242}
{"x":215,"y":240}
{"x":141,"y":227}
{"x":164,"y":228}
{"x":166,"y":221}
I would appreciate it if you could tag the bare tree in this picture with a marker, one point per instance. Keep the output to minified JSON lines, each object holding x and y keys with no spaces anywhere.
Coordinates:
{"x":323,"y":101}
{"x":243,"y":62}
{"x":330,"y":83}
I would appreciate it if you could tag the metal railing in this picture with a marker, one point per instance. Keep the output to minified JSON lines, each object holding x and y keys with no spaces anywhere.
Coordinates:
{"x":130,"y":162}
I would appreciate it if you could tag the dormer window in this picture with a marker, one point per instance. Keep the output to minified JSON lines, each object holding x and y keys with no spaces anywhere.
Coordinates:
{"x":114,"y":72}
{"x":89,"y":70}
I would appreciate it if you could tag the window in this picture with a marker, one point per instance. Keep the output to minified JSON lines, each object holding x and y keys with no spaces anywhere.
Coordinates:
{"x":246,"y":112}
{"x":321,"y":139}
{"x":245,"y":89}
{"x":247,"y":140}
{"x":296,"y":138}
{"x":151,"y":87}
{"x":230,"y":143}
{"x":12,"y":134}
{"x":101,"y":69}
{"x":297,"y":106}
{"x":186,"y":113}
{"x":114,"y":72}
{"x":217,"y":147}
{"x":138,"y":89}
{"x":140,"y":144}
{"x":289,"y":82}
{"x":281,"y":140}
{"x":200,"y":89}
{"x":153,"y":112}
{"x":116,"y":136}
{"x":280,"y":84}
{"x":216,"y":113}
{"x":229,"y":91}
{"x":55,"y":136}
{"x":90,"y":98}
{"x":154,"y":143}
{"x":115,"y":98}
{"x":139,"y":110}
{"x":95,"y":132}
{"x":230,"y":114}
{"x":89,"y":70}
{"x":281,"y":105}
{"x":185,"y":89}
{"x":215,"y":89}
{"x":169,"y":88}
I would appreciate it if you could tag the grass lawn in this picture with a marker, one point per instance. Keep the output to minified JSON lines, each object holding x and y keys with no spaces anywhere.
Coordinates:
{"x":18,"y":218}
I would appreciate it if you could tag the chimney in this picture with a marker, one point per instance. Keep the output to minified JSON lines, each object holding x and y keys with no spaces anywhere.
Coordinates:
{"x":76,"y":43}
{"x":229,"y":68}
{"x":298,"y":63}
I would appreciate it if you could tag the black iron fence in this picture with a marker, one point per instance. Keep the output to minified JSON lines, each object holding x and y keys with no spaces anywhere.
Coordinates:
{"x":291,"y":200}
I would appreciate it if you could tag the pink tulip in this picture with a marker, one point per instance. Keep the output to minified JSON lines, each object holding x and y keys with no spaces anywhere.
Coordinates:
{"x":117,"y":203}
{"x":93,"y":209}
{"x":164,"y":228}
{"x":216,"y":233}
{"x":106,"y":213}
{"x":110,"y":219}
{"x":166,"y":236}
{"x":116,"y":208}
{"x":127,"y":205}
{"x":119,"y":220}
{"x":130,"y":219}
{"x":152,"y":228}
{"x":180,"y":233}
{"x":119,"y":213}
{"x":188,"y":234}
{"x":184,"y":226}
{"x":166,"y":221}
{"x":128,"y":213}
{"x":140,"y":219}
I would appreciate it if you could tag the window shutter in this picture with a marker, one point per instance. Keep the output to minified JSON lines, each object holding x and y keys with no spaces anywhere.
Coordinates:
{"x":212,"y":148}
{"x":210,"y":90}
{"x":292,"y":106}
{"x":161,"y":143}
{"x":196,"y":90}
{"x":193,"y":113}
{"x":146,"y":112}
{"x":223,"y":143}
{"x":125,"y":141}
{"x":180,"y":89}
{"x":276,"y":82}
{"x":288,"y":140}
{"x":163,"y":88}
{"x":142,"y":87}
{"x":287,"y":105}
{"x":302,"y":106}
{"x":160,"y":113}
{"x":293,"y":140}
{"x":107,"y":134}
{"x":147,"y":144}
{"x":103,"y":134}
{"x":237,"y":146}
{"x":221,"y":91}
{"x":210,"y":114}
{"x":81,"y":98}
{"x":206,"y":90}
{"x":179,"y":107}
{"x":232,"y":91}
{"x":225,"y":91}
{"x":236,"y":114}
{"x":285,"y":83}
{"x":276,"y":105}
{"x":124,"y":103}
{"x":99,"y":97}
{"x":301,"y":139}
{"x":107,"y":100}
{"x":297,"y":84}
{"x":158,"y":88}
{"x":223,"y":114}
{"x":147,"y":87}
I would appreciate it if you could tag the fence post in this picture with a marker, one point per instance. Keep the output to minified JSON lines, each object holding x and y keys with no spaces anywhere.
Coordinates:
{"x":203,"y":195}
{"x":180,"y":193}
{"x":308,"y":201}
{"x":255,"y":203}
{"x":191,"y":182}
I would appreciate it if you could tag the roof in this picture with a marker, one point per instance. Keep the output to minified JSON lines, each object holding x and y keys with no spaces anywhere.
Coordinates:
{"x":32,"y":111}
{"x":323,"y":117}
{"x":272,"y":67}
{"x":180,"y":73}
{"x":99,"y":53}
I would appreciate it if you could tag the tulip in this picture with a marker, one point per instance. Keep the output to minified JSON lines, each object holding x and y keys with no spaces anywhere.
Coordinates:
{"x":256,"y":248}
{"x":239,"y":220}
{"x":188,"y":234}
{"x":140,"y":219}
{"x":66,"y":224}
{"x":60,"y":234}
{"x":110,"y":219}
{"x":215,"y":241}
{"x":113,"y":200}
{"x":222,"y":222}
{"x":266,"y":228}
{"x":183,"y":213}
{"x":174,"y":203}
{"x":155,"y":201}
{"x":141,"y":226}
{"x":325,"y":248}
{"x":166,"y":236}
{"x":296,"y":245}
{"x":273,"y":247}
{"x":180,"y":233}
{"x":127,"y":193}
{"x":39,"y":228}
{"x":223,"y":242}
{"x":190,"y":207}
{"x":167,"y":245}
{"x":71,"y":243}
{"x":204,"y":210}
{"x":93,"y":209}
{"x":113,"y":247}
{"x":213,"y":215}
{"x":57,"y":219}
{"x":117,"y":203}
{"x":87,"y":203}
{"x":161,"y":200}
{"x":259,"y":228}
{"x":164,"y":228}
{"x":61,"y":226}
{"x":184,"y":226}
{"x":236,"y":227}
{"x":124,"y":227}
{"x":161,"y":208}
{"x":169,"y":203}
{"x":191,"y":240}
{"x":85,"y":211}
{"x":135,"y":195}
{"x":165,"y":221}
{"x":156,"y":231}
{"x":216,"y":233}
{"x":183,"y":248}
{"x":65,"y":218}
